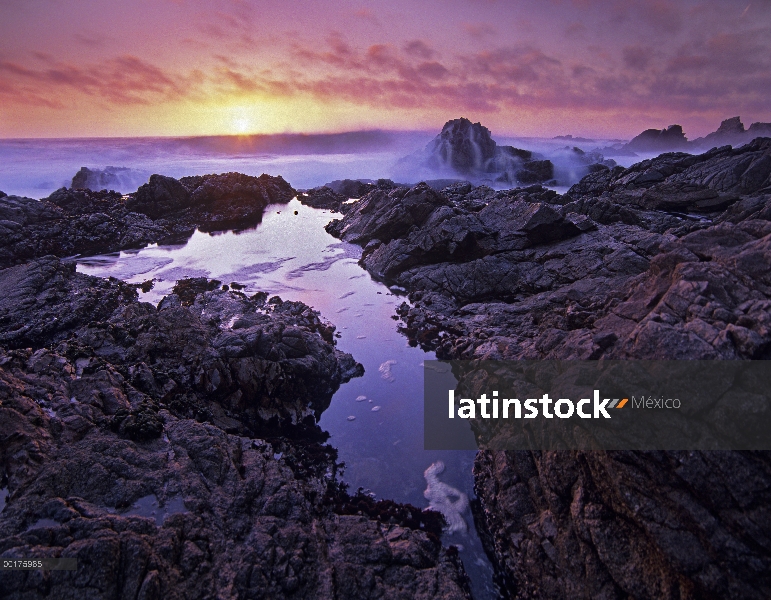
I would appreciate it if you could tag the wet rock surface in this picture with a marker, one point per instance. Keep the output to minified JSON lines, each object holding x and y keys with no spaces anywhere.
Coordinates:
{"x":668,"y":259}
{"x":336,"y":195}
{"x":468,"y":150}
{"x":171,"y":450}
{"x":80,"y":221}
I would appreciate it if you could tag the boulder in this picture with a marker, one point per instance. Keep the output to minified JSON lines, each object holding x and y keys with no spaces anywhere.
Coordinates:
{"x":658,"y":140}
{"x":468,"y":150}
{"x":160,"y":197}
{"x":461,"y":146}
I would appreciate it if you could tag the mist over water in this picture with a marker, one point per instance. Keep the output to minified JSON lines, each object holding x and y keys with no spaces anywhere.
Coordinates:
{"x":36,"y":167}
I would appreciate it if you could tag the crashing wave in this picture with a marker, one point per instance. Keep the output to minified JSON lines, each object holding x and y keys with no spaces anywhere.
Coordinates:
{"x":439,"y":496}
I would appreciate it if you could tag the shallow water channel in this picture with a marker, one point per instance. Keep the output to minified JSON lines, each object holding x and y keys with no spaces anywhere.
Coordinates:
{"x":289,"y":254}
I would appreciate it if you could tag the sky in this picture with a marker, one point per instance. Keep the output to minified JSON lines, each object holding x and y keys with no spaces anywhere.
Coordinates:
{"x":611,"y":68}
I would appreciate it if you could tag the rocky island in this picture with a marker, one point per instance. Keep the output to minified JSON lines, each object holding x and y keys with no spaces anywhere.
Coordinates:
{"x":174,"y":449}
{"x":467,"y":150}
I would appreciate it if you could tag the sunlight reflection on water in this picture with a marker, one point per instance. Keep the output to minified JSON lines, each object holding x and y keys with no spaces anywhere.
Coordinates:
{"x":292,"y":256}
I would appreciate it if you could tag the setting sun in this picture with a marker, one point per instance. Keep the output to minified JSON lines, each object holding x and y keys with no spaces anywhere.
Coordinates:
{"x":241,"y":125}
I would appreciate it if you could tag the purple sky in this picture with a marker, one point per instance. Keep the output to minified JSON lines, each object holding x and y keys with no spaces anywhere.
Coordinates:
{"x":189,"y":67}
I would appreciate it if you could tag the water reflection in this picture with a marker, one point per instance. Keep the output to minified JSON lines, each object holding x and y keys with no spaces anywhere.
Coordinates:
{"x":292,"y":256}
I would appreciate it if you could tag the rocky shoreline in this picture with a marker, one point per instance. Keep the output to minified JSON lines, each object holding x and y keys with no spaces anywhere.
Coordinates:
{"x":668,"y":259}
{"x":174,"y":448}
{"x":81,"y":221}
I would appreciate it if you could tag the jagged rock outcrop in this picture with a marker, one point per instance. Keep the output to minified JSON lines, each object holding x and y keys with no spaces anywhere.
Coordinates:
{"x":324,"y":197}
{"x":616,"y":268}
{"x":732,"y":132}
{"x":384,"y":215}
{"x":212,"y":201}
{"x":203,"y":346}
{"x":130,"y":440}
{"x":468,"y":150}
{"x":71,"y":222}
{"x":335,"y":196}
{"x":463,"y":146}
{"x":659,"y":140}
{"x":684,"y":182}
{"x":352,"y":188}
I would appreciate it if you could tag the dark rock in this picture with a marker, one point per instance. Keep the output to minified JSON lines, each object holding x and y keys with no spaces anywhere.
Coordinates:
{"x":467,"y":149}
{"x":732,"y":132}
{"x":681,"y":182}
{"x":213,"y":201}
{"x":671,"y":515}
{"x":659,"y":140}
{"x":234,"y":199}
{"x":384,"y":215}
{"x":593,"y":160}
{"x":140,"y":424}
{"x":156,"y":446}
{"x":230,"y":348}
{"x":440,"y":184}
{"x":161,"y":196}
{"x":606,"y":272}
{"x":71,"y":222}
{"x":323,"y":197}
{"x":462,"y":146}
{"x":732,"y":126}
{"x":536,"y":171}
{"x":428,"y":238}
{"x":350,"y":188}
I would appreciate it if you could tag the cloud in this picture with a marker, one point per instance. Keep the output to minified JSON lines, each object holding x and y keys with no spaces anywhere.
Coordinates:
{"x":575,"y":30}
{"x":662,"y":15}
{"x":420,"y":49}
{"x":365,"y":14}
{"x":432,"y":70}
{"x":479,"y":30}
{"x":90,"y":40}
{"x":637,"y":57}
{"x":663,"y":61}
{"x":520,"y":64}
{"x":121,"y":80}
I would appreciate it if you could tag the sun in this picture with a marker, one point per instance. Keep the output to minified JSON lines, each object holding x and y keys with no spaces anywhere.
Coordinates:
{"x":241,"y":125}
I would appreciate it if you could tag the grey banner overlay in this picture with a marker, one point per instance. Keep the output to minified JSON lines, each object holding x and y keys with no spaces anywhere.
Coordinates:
{"x":623,"y":405}
{"x":37,"y":564}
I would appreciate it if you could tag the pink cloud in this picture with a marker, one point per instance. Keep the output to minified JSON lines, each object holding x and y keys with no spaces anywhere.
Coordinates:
{"x":420,"y":49}
{"x":479,"y":30}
